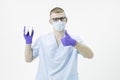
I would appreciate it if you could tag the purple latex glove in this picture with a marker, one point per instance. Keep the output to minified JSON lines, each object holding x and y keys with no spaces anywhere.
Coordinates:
{"x":28,"y":37}
{"x":67,"y":40}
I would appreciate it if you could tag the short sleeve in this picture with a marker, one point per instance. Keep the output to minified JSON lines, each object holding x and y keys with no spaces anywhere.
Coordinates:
{"x":35,"y":48}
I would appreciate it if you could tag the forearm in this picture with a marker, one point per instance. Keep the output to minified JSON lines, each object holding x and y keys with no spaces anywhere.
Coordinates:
{"x":85,"y":51}
{"x":28,"y":53}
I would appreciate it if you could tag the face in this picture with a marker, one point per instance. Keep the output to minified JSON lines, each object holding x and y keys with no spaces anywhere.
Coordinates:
{"x":58,"y":21}
{"x":54,"y":17}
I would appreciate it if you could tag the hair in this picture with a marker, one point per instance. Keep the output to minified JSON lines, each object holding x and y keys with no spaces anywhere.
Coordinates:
{"x":56,"y":10}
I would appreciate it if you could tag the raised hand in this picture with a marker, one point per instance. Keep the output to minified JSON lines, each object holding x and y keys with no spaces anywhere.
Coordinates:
{"x":28,"y":37}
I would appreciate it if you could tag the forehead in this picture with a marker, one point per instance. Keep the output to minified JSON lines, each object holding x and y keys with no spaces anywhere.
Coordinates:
{"x":57,"y":15}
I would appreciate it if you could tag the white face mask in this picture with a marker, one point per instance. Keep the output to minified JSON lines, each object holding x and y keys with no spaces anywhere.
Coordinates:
{"x":59,"y":25}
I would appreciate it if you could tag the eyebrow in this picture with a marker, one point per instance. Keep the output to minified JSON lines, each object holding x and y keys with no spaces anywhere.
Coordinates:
{"x":60,"y":17}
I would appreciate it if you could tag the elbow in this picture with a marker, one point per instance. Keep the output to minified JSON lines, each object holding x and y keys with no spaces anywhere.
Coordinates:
{"x":28,"y":60}
{"x":90,"y":56}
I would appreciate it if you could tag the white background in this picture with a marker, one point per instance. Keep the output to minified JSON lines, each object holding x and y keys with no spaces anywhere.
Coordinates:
{"x":97,"y":22}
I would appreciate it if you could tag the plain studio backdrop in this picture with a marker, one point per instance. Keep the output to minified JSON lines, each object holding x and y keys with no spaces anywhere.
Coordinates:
{"x":97,"y":22}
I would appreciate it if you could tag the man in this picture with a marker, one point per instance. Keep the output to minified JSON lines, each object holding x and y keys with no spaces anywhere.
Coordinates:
{"x":57,"y":51}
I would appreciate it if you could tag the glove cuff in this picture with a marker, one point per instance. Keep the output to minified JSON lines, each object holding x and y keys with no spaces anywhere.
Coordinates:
{"x":29,"y":42}
{"x":74,"y":42}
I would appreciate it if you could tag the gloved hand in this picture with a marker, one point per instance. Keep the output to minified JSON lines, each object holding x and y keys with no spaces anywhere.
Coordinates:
{"x":68,"y":41}
{"x":27,"y":36}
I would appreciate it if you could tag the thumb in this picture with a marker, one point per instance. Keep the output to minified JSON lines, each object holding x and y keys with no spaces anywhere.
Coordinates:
{"x":66,"y":34}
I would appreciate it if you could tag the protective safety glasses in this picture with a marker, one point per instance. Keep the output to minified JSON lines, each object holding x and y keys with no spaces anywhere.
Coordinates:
{"x":60,"y":18}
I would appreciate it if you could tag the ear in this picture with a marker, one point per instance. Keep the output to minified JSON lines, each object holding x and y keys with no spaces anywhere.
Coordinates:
{"x":50,"y":21}
{"x":66,"y":20}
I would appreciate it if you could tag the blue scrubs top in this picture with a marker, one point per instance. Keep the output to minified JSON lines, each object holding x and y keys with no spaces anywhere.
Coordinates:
{"x":55,"y":62}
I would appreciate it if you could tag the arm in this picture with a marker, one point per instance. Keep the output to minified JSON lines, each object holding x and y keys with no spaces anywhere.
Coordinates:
{"x":68,"y":41}
{"x":28,"y":53}
{"x":85,"y":51}
{"x":28,"y":49}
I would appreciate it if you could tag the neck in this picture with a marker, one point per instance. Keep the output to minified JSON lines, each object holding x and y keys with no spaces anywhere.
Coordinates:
{"x":59,"y":34}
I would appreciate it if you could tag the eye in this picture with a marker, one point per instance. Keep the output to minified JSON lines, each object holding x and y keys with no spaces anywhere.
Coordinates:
{"x":55,"y":19}
{"x":62,"y":18}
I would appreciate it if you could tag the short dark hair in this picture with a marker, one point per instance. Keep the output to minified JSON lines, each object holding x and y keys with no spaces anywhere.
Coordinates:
{"x":56,"y":10}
